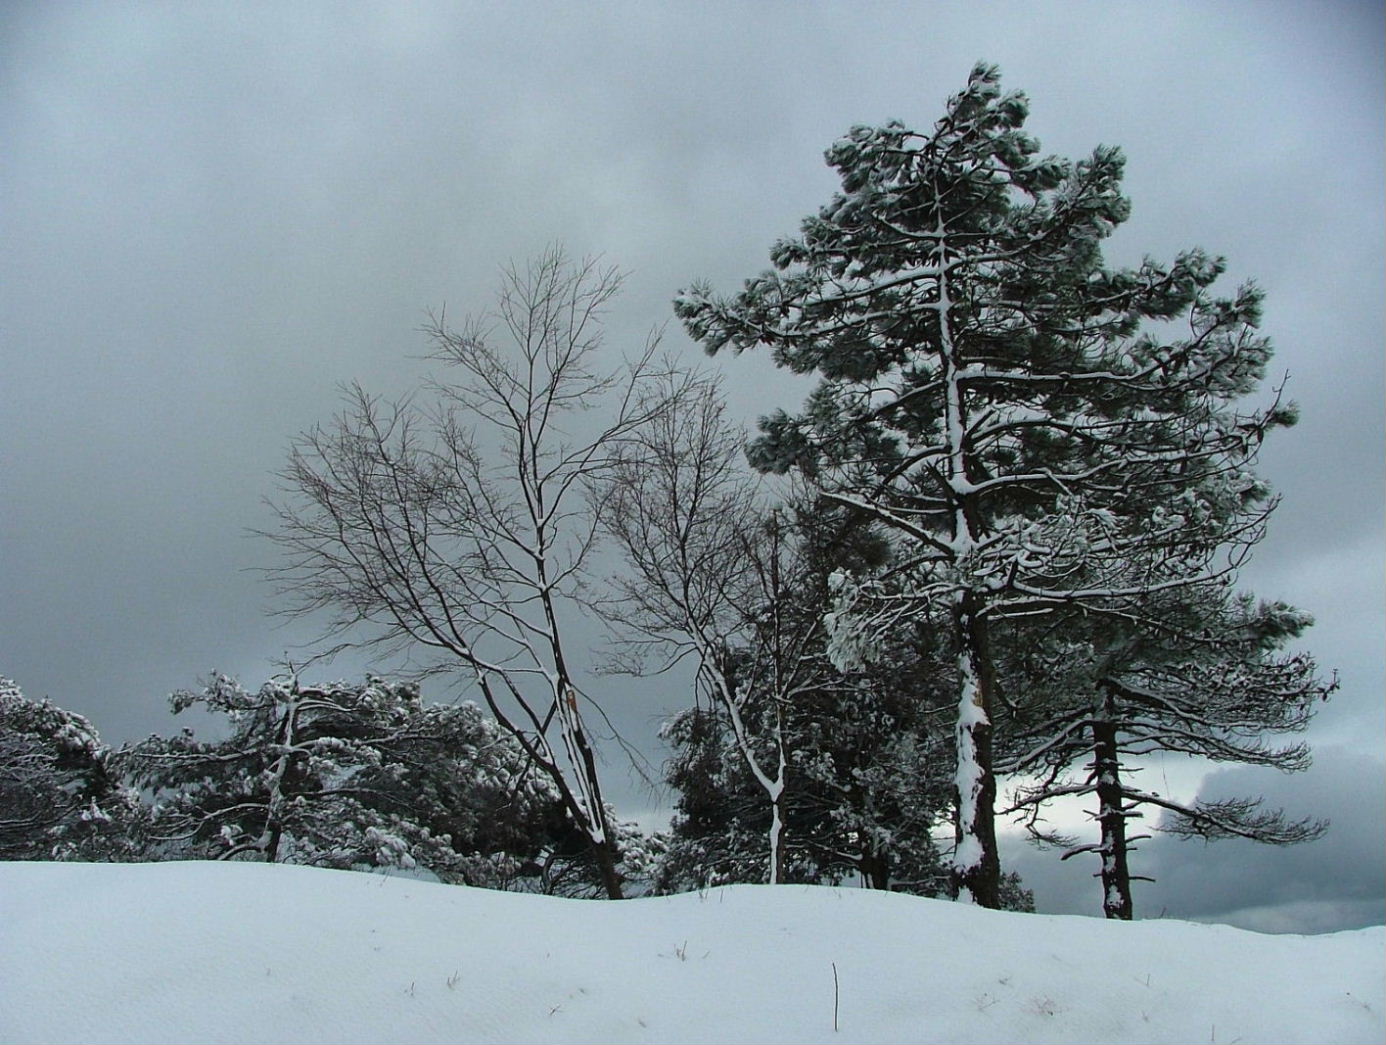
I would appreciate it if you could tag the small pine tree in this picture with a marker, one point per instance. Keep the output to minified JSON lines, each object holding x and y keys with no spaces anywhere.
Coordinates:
{"x":1201,"y":674}
{"x":346,"y":776}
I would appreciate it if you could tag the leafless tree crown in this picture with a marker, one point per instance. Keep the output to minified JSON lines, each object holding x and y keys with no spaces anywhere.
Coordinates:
{"x":463,"y":527}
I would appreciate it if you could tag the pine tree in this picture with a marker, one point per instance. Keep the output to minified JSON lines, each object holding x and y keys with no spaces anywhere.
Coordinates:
{"x":60,"y":797}
{"x":347,"y":775}
{"x":992,"y":392}
{"x":1202,"y":674}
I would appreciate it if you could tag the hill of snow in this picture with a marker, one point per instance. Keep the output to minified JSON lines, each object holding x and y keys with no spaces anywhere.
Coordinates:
{"x":218,"y":952}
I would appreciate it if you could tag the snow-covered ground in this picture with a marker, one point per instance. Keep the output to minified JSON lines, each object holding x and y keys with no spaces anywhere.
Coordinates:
{"x":194,"y":952}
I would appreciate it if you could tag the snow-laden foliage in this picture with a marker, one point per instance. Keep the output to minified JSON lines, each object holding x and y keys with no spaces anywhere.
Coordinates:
{"x":1202,"y":674}
{"x":861,"y":808}
{"x":59,"y":798}
{"x":350,"y":775}
{"x":1008,"y":405}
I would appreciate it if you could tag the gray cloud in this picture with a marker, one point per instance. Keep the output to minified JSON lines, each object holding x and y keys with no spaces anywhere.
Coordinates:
{"x":1342,"y":871}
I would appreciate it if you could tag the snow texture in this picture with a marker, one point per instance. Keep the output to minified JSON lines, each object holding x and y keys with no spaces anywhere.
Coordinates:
{"x":227,"y":952}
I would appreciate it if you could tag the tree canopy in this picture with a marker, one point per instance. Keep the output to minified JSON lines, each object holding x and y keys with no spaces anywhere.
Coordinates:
{"x":1002,"y":400}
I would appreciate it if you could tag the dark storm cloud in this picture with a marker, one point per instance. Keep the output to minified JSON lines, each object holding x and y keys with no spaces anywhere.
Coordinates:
{"x":213,"y":215}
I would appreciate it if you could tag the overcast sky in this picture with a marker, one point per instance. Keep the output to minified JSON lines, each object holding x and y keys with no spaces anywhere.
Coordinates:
{"x":214,"y":214}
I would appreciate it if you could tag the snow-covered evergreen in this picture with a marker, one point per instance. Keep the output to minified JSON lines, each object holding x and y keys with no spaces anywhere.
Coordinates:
{"x":994,"y":393}
{"x":59,"y":796}
{"x":346,"y":775}
{"x":1201,"y":673}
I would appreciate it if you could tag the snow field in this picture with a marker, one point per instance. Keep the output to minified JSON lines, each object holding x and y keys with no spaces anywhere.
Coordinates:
{"x":233,"y":952}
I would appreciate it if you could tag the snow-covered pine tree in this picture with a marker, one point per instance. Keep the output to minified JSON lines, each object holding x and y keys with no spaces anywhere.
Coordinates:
{"x":346,"y":775}
{"x":1173,"y":661}
{"x":984,"y":378}
{"x":1200,"y":673}
{"x":59,"y":795}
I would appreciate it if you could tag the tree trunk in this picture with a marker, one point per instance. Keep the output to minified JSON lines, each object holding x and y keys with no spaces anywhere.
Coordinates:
{"x":874,"y":866}
{"x":777,"y":836}
{"x":605,"y":847}
{"x":1106,"y":768}
{"x":274,"y":804}
{"x":594,"y":820}
{"x":976,"y":865}
{"x":275,"y":833}
{"x":606,"y":857}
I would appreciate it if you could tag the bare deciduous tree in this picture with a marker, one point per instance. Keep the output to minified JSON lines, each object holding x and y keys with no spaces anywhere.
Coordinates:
{"x":713,"y":579}
{"x":464,"y":529}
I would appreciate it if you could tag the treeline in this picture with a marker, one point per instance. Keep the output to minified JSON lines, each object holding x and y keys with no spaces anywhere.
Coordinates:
{"x":991,"y":565}
{"x":342,"y":776}
{"x":369,"y":776}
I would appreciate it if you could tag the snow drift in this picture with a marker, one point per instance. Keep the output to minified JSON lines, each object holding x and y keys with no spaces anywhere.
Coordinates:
{"x":227,"y":952}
